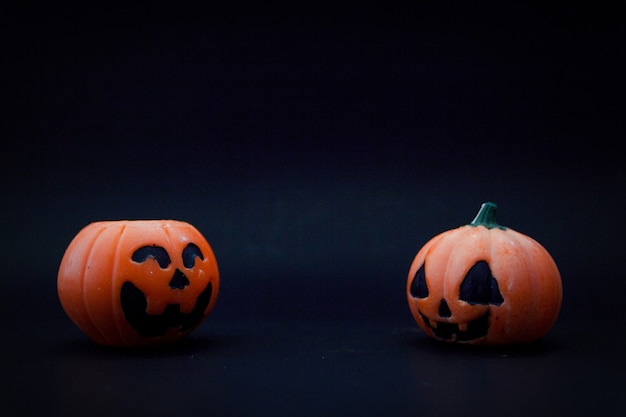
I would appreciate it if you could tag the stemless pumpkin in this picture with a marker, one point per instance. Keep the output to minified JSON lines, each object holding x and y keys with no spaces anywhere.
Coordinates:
{"x":138,"y":282}
{"x":484,"y":284}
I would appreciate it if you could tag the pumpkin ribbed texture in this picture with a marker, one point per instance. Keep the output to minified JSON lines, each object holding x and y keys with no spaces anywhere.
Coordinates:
{"x":98,"y":261}
{"x":525,"y":275}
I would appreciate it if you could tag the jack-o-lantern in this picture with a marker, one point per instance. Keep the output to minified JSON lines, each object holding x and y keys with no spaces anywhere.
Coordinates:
{"x":138,"y":282}
{"x":484,"y":284}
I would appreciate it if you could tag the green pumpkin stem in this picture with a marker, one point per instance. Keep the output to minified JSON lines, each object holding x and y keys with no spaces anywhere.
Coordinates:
{"x":487,"y":217}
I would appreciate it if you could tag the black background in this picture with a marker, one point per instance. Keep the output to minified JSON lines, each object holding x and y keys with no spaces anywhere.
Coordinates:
{"x":317,"y":148}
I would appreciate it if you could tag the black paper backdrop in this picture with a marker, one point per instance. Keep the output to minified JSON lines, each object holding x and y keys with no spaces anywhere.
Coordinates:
{"x":316,"y":148}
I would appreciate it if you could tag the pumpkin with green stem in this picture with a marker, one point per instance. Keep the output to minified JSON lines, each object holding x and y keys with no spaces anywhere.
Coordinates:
{"x":484,"y":283}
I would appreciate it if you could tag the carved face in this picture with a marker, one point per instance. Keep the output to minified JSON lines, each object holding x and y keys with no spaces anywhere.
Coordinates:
{"x":146,"y":318}
{"x":478,"y":291}
{"x":484,"y":284}
{"x":138,"y":282}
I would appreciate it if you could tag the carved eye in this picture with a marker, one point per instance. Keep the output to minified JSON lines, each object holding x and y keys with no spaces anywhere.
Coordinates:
{"x":479,"y":286}
{"x":156,"y":252}
{"x":190,"y":253}
{"x":418,"y":286}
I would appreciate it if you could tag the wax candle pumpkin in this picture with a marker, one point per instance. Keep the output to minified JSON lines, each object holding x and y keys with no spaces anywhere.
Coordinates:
{"x":138,"y":282}
{"x":484,"y":283}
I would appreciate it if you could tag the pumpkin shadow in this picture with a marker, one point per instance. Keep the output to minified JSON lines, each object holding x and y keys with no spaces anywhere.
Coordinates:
{"x":541,"y":347}
{"x":186,"y":347}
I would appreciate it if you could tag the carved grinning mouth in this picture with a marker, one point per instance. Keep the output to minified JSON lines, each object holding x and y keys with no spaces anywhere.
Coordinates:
{"x":476,"y":328}
{"x":134,"y":304}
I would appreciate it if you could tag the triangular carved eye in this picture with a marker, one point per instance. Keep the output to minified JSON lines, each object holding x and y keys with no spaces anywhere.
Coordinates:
{"x":479,"y":286}
{"x":418,"y":286}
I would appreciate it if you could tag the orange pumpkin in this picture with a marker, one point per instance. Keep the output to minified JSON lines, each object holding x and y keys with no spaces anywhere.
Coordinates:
{"x":138,"y":282}
{"x":484,"y":284}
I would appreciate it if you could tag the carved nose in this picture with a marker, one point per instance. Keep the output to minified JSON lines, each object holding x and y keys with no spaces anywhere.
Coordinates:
{"x":444,"y":310}
{"x":178,"y":281}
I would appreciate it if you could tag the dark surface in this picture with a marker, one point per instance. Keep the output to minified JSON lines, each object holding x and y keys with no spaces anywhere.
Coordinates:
{"x":317,"y":149}
{"x":265,"y":366}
